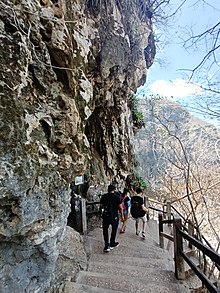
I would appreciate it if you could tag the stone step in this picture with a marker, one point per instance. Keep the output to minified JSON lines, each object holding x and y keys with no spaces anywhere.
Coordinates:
{"x":188,"y":270}
{"x":202,"y":289}
{"x":152,"y":228}
{"x":189,"y":252}
{"x":149,"y":273}
{"x":72,"y":287}
{"x":196,"y":285}
{"x":137,"y":265}
{"x":97,"y":234}
{"x":151,"y":233}
{"x":129,"y":284}
{"x":143,"y":262}
{"x":129,"y":238}
{"x":136,"y":249}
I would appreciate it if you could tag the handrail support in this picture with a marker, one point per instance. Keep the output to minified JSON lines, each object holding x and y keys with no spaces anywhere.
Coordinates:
{"x":178,"y":248}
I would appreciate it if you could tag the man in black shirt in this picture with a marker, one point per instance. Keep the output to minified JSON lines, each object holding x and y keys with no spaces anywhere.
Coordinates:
{"x":138,"y":211}
{"x":110,"y":205}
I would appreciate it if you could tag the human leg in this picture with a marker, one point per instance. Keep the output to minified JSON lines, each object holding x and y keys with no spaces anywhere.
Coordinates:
{"x":123,"y":226}
{"x":136,"y":226}
{"x":105,"y":227}
{"x":144,"y":220}
{"x":114,"y":231}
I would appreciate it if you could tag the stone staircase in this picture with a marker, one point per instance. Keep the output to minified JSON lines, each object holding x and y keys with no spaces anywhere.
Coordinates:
{"x":137,"y":265}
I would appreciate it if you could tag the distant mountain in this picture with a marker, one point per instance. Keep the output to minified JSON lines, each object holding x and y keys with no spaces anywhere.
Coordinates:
{"x":179,"y":156}
{"x":167,"y":126}
{"x":205,"y":107}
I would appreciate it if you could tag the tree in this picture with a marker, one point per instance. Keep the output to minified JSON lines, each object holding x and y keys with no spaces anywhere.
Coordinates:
{"x":204,"y":39}
{"x":207,"y":106}
{"x":186,"y":156}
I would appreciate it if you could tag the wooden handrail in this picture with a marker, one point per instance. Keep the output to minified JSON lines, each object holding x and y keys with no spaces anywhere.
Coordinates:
{"x":177,"y":238}
{"x":212,"y":288}
{"x":214,"y":256}
{"x":168,"y":236}
{"x":157,"y":210}
{"x":180,"y":256}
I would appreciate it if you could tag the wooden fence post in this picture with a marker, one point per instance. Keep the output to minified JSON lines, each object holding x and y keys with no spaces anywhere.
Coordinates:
{"x":161,"y":239}
{"x":164,"y":209}
{"x":178,"y":247}
{"x":169,"y":212}
{"x":191,"y":232}
{"x":84,"y":218}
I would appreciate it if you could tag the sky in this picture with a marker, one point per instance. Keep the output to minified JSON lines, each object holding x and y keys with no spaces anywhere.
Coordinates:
{"x":166,"y":76}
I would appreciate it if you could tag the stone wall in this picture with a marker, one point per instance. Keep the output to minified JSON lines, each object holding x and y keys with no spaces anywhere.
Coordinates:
{"x":68,"y":69}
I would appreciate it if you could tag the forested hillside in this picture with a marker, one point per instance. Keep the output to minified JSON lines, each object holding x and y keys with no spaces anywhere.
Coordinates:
{"x":178,"y":155}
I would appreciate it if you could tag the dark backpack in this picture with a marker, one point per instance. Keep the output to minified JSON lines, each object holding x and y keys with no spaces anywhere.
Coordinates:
{"x":108,"y":211}
{"x":136,"y":210}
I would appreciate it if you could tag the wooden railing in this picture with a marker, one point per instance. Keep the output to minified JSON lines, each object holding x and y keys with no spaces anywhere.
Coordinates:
{"x":180,"y":233}
{"x":206,"y":251}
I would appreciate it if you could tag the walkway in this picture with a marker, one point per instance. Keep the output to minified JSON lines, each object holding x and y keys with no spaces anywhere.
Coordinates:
{"x":137,"y":265}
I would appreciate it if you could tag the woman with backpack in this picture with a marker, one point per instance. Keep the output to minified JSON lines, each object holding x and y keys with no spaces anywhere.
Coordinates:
{"x":125,"y":202}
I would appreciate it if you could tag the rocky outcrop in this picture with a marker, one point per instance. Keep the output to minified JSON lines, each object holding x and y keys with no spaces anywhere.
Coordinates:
{"x":68,"y":69}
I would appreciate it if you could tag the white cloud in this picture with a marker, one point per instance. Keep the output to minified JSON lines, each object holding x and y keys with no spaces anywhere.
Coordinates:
{"x":177,"y":88}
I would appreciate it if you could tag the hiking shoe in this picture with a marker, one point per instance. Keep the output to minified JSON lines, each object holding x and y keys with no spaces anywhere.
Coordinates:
{"x":137,"y":233}
{"x":112,"y":246}
{"x":106,"y":249}
{"x":143,"y":235}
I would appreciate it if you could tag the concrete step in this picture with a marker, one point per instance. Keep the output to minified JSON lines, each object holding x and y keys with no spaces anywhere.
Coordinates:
{"x":133,"y":248}
{"x":201,"y":289}
{"x":147,"y":274}
{"x":189,"y":252}
{"x":129,"y":238}
{"x":136,"y":266}
{"x":188,"y":270}
{"x":196,"y":285}
{"x":143,"y":262}
{"x":128,"y":284}
{"x":152,"y":226}
{"x":96,"y":245}
{"x":72,"y":287}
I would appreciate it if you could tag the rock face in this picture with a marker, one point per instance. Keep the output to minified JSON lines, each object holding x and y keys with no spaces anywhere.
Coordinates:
{"x":68,"y":69}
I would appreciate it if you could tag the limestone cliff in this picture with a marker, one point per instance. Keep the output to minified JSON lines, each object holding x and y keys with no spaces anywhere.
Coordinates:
{"x":68,"y":68}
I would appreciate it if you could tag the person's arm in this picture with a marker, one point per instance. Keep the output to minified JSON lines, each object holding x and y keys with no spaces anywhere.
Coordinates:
{"x":144,"y":208}
{"x":122,"y":212}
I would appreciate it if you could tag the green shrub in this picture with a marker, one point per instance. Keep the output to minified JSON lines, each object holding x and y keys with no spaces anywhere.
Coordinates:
{"x":137,"y":116}
{"x":135,"y":181}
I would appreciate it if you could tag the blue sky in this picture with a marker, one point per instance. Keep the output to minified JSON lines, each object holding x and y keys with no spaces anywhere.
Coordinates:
{"x":169,"y":79}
